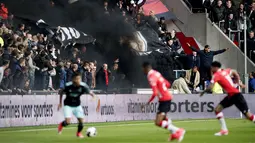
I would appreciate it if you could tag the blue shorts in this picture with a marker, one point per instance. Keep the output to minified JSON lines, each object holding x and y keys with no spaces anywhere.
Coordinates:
{"x":76,"y":111}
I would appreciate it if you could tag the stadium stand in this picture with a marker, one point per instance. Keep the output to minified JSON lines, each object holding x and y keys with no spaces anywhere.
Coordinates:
{"x":158,"y":27}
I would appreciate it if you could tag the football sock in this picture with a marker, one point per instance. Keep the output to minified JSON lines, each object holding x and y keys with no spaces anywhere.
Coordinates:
{"x":252,"y":118}
{"x":64,"y":124}
{"x":80,"y":127}
{"x":172,"y":128}
{"x":169,"y":126}
{"x":221,"y":119}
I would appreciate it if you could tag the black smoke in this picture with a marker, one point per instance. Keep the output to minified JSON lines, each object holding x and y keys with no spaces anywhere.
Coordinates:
{"x":88,"y":16}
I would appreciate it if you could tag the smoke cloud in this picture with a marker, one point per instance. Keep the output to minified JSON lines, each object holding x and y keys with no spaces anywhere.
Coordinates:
{"x":88,"y":16}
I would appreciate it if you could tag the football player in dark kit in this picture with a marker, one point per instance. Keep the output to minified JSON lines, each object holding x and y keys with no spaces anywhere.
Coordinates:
{"x":72,"y":103}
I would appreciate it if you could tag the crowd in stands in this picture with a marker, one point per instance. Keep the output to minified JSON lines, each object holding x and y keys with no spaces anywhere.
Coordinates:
{"x":230,"y":18}
{"x":30,"y":62}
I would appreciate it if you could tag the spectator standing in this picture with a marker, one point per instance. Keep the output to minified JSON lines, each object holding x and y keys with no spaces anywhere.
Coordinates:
{"x":74,"y":68}
{"x":193,"y":60}
{"x":251,"y":36}
{"x":102,"y":78}
{"x":115,"y":72}
{"x":41,"y":61}
{"x":251,"y":15}
{"x":206,"y":57}
{"x":193,"y":78}
{"x":6,"y":81}
{"x":162,"y":27}
{"x":181,"y":85}
{"x":218,"y":12}
{"x":2,"y":70}
{"x":229,"y":9}
{"x":31,"y":68}
{"x":52,"y":74}
{"x":62,"y":75}
{"x":93,"y":70}
{"x":75,"y":55}
{"x":21,"y":30}
{"x":68,"y":71}
{"x":230,"y":25}
{"x":208,"y":4}
{"x":252,"y":83}
{"x":19,"y":77}
{"x":44,"y":83}
{"x":240,"y":18}
{"x":86,"y":74}
{"x":14,"y":61}
{"x":251,"y":45}
{"x":117,"y":76}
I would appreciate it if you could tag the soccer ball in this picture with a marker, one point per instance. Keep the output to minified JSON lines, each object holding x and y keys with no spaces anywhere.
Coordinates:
{"x":91,"y":132}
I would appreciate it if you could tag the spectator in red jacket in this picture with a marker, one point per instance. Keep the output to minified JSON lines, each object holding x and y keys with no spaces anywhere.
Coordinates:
{"x":3,"y":11}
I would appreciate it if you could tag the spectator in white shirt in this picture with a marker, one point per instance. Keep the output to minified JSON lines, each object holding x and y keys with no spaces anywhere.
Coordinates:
{"x":181,"y":86}
{"x":2,"y":69}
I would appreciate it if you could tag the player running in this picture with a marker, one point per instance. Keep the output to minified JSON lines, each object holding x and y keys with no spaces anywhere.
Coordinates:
{"x":72,"y":103}
{"x":234,"y":97}
{"x":160,"y":87}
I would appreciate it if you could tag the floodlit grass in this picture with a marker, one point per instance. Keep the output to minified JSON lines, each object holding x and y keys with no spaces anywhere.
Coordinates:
{"x":198,"y":131}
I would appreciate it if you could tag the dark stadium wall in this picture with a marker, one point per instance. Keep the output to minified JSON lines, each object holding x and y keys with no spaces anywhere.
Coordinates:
{"x":87,"y":16}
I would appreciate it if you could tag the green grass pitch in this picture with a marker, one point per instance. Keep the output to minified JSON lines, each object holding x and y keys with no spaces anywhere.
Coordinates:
{"x":198,"y":131}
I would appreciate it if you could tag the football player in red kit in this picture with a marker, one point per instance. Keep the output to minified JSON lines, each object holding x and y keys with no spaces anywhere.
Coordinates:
{"x":160,"y":87}
{"x":234,"y":97}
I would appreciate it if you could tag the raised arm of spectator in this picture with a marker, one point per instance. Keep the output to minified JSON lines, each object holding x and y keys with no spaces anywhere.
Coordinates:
{"x":219,"y":51}
{"x":194,"y":49}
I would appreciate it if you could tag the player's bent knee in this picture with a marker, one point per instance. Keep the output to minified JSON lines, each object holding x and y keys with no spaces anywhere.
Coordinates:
{"x":68,"y":121}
